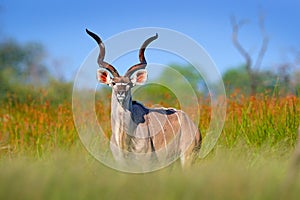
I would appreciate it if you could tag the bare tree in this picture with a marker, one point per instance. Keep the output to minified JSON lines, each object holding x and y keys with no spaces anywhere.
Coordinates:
{"x":252,"y":66}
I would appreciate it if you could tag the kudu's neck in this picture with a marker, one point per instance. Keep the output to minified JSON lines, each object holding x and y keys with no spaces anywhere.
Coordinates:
{"x":121,"y":119}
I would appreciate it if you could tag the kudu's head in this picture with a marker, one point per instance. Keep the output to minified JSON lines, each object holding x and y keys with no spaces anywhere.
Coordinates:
{"x":121,"y":85}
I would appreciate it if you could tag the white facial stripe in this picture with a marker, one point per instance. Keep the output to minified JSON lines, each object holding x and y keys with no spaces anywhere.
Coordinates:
{"x":121,"y":83}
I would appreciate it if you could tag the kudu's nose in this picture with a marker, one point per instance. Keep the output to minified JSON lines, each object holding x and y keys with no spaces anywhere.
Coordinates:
{"x":121,"y":94}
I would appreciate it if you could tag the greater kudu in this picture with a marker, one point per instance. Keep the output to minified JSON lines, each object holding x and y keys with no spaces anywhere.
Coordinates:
{"x":140,"y":130}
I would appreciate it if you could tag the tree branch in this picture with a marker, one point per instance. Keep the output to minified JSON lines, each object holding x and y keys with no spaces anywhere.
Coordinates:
{"x":235,"y":29}
{"x":264,"y":45}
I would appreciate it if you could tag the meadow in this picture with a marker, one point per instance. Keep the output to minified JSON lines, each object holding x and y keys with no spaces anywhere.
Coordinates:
{"x":41,"y":156}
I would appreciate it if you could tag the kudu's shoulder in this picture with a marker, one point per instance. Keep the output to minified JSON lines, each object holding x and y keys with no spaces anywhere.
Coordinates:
{"x":140,"y":112}
{"x":140,"y":108}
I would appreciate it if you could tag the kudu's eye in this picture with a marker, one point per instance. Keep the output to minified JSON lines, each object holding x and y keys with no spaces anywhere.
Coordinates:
{"x":113,"y":83}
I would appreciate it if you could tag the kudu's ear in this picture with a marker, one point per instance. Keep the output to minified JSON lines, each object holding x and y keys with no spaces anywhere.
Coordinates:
{"x":139,"y":77}
{"x":103,"y":76}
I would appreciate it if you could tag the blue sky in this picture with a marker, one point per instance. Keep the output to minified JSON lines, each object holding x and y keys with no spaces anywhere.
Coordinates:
{"x":60,"y":26}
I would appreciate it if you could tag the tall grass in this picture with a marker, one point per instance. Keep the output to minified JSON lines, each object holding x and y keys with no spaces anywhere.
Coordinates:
{"x":35,"y":127}
{"x":41,"y":156}
{"x":262,"y":120}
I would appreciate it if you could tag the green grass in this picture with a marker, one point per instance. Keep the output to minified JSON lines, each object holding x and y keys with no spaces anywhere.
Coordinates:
{"x":229,"y":174}
{"x":41,"y":156}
